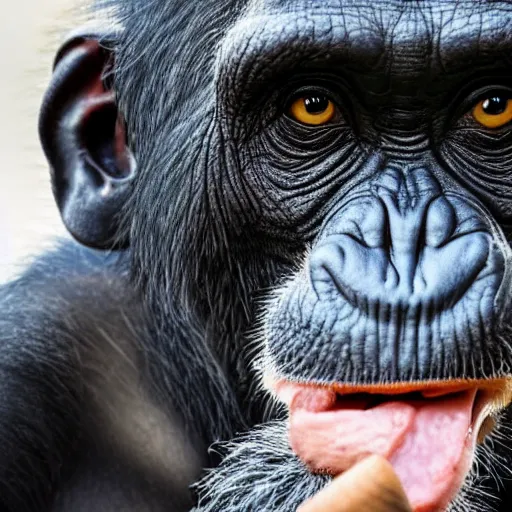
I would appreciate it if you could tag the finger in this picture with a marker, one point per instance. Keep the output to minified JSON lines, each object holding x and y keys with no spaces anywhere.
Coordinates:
{"x":370,"y":486}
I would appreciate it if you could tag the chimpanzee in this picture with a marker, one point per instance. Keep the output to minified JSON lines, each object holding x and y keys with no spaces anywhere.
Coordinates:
{"x":292,"y":223}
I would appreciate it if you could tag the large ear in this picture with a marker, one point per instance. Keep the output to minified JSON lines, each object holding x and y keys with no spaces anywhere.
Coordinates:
{"x":84,"y":139}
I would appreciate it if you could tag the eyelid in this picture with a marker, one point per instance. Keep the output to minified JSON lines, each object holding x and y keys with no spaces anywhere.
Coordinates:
{"x":331,"y":86}
{"x":484,"y":93}
{"x":468,"y":97}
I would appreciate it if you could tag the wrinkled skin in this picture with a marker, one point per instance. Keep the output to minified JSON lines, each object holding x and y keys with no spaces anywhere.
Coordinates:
{"x":216,"y":231}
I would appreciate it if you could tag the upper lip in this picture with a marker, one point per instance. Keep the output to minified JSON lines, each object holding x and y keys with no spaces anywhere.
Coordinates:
{"x":427,"y":388}
{"x":493,"y":394}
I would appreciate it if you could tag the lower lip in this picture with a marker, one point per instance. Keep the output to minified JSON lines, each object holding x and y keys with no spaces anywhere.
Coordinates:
{"x":488,"y":403}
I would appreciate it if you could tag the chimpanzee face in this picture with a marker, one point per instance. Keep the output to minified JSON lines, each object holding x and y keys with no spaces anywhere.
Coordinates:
{"x":380,"y":137}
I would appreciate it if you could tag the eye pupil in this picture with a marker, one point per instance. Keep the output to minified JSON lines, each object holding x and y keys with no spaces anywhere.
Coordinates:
{"x":495,"y":106}
{"x":316,"y":104}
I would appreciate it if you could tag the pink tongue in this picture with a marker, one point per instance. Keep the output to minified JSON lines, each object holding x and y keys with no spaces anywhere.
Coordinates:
{"x":426,"y":440}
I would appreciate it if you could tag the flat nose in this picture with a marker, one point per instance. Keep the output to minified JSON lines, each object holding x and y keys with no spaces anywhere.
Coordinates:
{"x":403,"y":242}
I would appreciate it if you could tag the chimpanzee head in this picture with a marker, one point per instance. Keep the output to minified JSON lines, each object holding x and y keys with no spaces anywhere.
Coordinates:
{"x":327,"y":185}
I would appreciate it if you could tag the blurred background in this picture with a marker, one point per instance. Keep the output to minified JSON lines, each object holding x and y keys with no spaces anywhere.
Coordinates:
{"x":30,"y":31}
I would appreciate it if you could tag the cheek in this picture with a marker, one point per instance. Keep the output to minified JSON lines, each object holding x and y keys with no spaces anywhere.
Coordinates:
{"x":294,"y":180}
{"x":472,"y":157}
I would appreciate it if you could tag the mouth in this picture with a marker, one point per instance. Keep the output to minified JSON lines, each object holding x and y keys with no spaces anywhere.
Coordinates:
{"x":427,"y":430}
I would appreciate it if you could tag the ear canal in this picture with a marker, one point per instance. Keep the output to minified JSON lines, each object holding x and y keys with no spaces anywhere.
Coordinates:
{"x":84,"y":138}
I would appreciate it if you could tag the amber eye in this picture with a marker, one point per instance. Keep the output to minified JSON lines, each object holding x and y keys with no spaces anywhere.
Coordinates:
{"x":313,"y":109}
{"x":494,"y":112}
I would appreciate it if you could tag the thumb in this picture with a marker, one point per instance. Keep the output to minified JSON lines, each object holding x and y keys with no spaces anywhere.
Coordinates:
{"x":370,"y":486}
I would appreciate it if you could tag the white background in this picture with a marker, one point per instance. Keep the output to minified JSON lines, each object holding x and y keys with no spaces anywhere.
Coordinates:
{"x":30,"y":30}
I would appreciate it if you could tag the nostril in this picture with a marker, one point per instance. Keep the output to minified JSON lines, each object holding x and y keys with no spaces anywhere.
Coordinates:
{"x":440,"y":222}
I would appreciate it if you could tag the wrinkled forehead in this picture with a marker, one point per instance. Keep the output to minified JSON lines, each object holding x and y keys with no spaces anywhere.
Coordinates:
{"x":396,"y":21}
{"x":442,"y":36}
{"x":384,"y":12}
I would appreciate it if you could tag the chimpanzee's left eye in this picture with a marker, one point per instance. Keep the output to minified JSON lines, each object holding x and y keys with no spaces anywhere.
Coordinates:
{"x":494,"y":111}
{"x":313,"y":109}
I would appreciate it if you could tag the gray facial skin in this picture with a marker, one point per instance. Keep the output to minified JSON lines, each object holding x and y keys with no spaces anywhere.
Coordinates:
{"x":403,"y":204}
